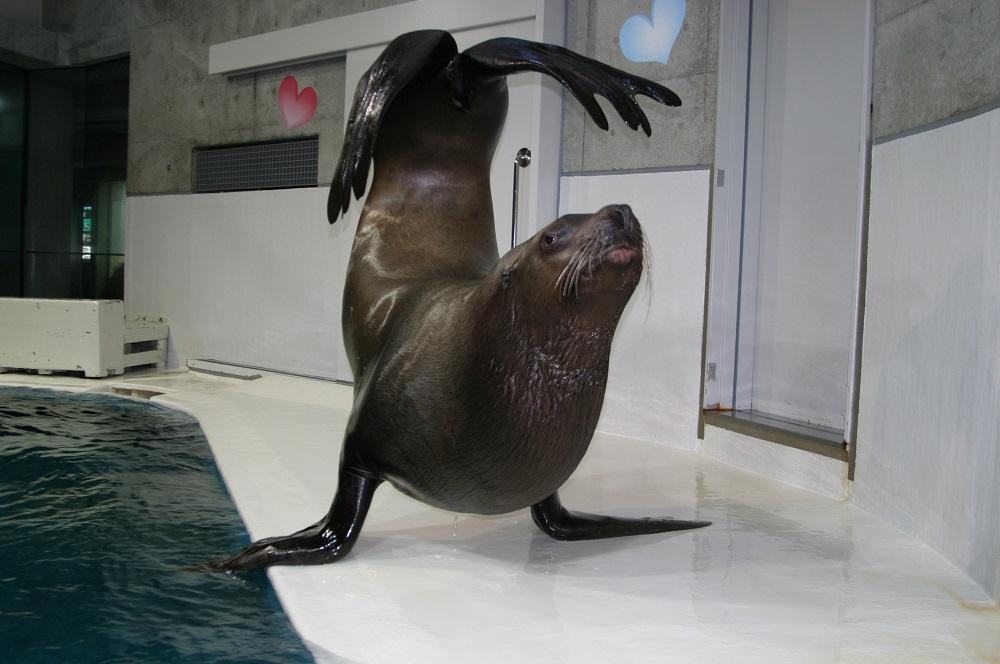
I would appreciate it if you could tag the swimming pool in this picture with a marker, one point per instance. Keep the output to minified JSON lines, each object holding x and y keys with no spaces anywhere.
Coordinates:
{"x":102,"y":502}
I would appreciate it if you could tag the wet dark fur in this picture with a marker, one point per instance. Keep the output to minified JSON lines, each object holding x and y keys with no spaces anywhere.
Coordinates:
{"x":487,"y":392}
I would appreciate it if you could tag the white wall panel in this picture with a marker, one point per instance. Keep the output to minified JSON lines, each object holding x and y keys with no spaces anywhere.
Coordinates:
{"x":250,"y":277}
{"x":654,"y":385}
{"x":929,"y":423}
{"x":158,"y":267}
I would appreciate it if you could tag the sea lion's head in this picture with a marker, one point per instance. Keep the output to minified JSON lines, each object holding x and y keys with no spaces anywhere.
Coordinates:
{"x":583,"y":264}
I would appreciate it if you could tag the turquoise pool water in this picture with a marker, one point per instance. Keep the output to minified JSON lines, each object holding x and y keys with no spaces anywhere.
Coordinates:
{"x":102,"y":502}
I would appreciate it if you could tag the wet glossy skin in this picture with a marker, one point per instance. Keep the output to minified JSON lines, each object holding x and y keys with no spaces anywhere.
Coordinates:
{"x":494,"y":383}
{"x":478,"y":379}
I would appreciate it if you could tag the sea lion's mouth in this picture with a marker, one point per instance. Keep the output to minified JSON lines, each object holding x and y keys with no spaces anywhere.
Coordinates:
{"x":588,"y":260}
{"x":620,"y":255}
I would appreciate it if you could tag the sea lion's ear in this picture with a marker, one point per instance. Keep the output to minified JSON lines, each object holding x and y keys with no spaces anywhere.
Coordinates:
{"x":505,"y":277}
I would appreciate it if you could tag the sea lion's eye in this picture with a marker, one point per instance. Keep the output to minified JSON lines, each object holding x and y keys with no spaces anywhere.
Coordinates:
{"x":554,"y":241}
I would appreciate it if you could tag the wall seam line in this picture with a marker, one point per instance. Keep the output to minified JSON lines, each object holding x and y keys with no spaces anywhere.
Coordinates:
{"x":937,"y":124}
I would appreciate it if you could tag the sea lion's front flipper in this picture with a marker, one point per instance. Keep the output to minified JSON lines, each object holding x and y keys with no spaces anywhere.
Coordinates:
{"x":583,"y":76}
{"x":405,"y":59}
{"x":558,"y":522}
{"x":328,"y":540}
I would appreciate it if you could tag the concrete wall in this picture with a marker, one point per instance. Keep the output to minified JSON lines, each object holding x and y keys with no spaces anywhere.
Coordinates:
{"x":934,"y":59}
{"x":26,"y":12}
{"x":59,"y":33}
{"x":681,"y":136}
{"x":90,"y":29}
{"x":23,"y":39}
{"x":174,"y":104}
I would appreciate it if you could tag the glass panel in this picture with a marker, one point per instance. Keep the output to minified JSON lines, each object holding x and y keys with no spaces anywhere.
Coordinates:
{"x":781,"y":326}
{"x":811,"y":173}
{"x":76,"y":275}
{"x":55,"y":148}
{"x":52,"y":274}
{"x":12,"y":92}
{"x":77,"y":160}
{"x":10,"y":273}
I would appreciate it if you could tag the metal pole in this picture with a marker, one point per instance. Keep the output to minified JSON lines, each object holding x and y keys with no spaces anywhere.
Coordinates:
{"x":521,"y":160}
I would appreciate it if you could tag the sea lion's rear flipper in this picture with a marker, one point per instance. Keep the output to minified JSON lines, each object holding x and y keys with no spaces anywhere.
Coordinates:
{"x":326,"y":541}
{"x":562,"y":524}
{"x":583,"y":76}
{"x":405,"y":59}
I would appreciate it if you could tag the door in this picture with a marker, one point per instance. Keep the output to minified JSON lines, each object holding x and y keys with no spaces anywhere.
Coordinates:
{"x":792,"y":142}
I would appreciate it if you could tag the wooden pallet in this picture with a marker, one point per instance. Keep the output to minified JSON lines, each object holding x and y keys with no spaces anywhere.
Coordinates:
{"x":92,"y":336}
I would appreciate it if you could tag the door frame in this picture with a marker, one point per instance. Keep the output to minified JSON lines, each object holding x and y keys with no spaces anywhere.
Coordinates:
{"x":734,"y":229}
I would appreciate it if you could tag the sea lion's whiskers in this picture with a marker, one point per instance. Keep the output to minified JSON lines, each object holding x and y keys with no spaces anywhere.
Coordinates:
{"x":560,"y":282}
{"x":647,"y":271}
{"x":584,"y":261}
{"x":589,"y":265}
{"x":570,"y":274}
{"x":570,"y":282}
{"x":574,"y":270}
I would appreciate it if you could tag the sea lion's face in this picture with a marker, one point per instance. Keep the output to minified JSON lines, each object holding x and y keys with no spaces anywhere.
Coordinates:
{"x":583,"y":262}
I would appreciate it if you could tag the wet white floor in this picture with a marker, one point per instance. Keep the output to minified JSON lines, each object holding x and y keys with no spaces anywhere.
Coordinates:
{"x":782,"y":575}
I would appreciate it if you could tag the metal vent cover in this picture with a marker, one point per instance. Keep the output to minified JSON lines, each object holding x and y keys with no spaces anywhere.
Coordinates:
{"x":250,"y":166}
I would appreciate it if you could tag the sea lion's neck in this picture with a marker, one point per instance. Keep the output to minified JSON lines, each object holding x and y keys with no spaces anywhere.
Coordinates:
{"x":419,"y":232}
{"x":541,"y":365}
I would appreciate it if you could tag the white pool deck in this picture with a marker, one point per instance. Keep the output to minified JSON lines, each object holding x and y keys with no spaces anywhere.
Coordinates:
{"x":782,"y":575}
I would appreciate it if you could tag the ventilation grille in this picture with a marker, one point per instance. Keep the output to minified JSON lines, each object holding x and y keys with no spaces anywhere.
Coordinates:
{"x":272,"y":165}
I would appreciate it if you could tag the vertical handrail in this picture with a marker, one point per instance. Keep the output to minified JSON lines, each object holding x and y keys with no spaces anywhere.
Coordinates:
{"x":521,"y":160}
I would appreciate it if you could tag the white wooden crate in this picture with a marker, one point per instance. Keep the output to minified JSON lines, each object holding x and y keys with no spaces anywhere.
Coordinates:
{"x":92,"y":336}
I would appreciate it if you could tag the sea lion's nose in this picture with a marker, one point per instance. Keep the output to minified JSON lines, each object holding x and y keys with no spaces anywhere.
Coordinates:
{"x":622,"y":216}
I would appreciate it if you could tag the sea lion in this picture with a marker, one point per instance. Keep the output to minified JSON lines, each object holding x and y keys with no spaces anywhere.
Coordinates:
{"x":478,"y":380}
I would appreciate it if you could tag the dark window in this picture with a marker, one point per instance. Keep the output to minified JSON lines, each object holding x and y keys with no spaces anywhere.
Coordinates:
{"x":63,"y":236}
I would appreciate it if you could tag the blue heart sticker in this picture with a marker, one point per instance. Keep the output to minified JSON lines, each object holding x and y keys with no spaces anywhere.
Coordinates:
{"x":650,"y":40}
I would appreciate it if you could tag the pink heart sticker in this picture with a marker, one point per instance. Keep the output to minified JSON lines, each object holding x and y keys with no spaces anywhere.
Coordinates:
{"x":297,"y":107}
